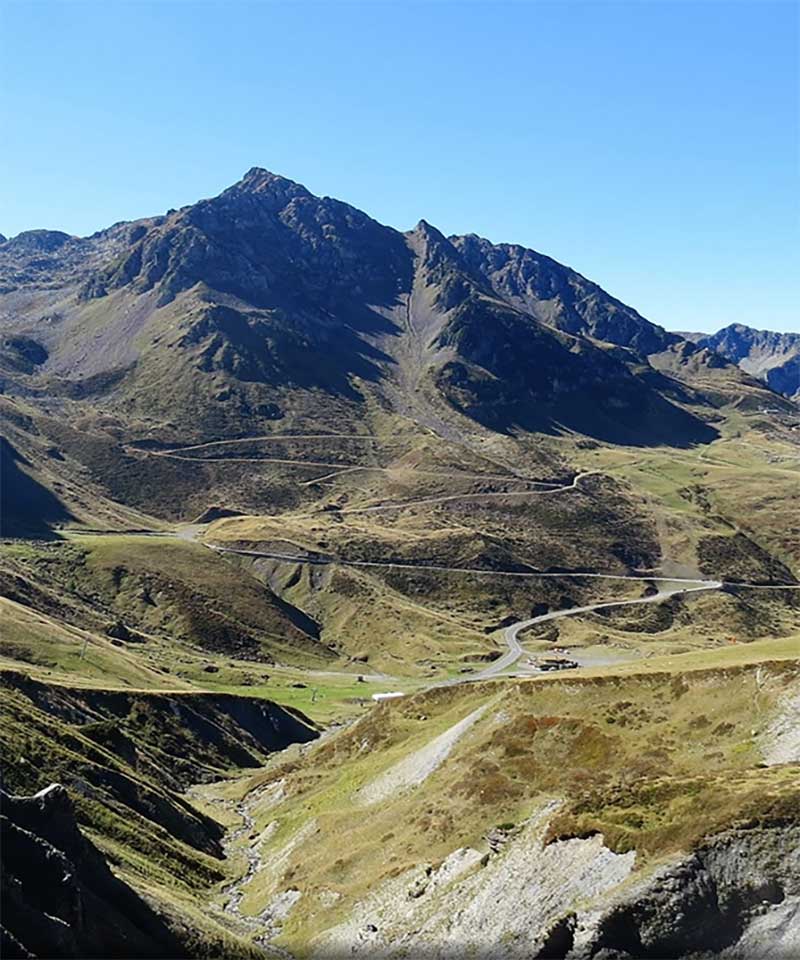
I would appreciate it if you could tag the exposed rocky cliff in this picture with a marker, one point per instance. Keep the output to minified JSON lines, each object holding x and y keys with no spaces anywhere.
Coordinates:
{"x":560,"y":296}
{"x":737,"y":896}
{"x":60,"y":899}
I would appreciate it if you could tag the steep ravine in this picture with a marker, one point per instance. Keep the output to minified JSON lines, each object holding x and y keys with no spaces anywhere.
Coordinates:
{"x":107,"y":770}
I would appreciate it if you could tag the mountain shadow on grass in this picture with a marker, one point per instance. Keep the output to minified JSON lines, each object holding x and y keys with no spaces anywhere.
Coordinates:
{"x":27,"y":507}
{"x":279,"y":348}
{"x":514,"y":372}
{"x":621,"y":413}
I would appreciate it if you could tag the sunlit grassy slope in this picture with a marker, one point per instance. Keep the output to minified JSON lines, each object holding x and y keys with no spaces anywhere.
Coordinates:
{"x":654,"y":757}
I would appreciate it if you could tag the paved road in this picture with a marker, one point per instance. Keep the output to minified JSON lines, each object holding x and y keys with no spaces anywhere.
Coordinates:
{"x":441,"y":568}
{"x":511,"y":634}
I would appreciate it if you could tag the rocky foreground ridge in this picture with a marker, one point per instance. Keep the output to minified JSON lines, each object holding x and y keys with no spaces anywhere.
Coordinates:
{"x":60,"y":899}
{"x":736,"y":897}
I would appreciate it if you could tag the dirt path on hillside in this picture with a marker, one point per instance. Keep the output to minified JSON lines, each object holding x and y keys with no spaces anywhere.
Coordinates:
{"x":336,"y":469}
{"x":267,"y":438}
{"x":425,"y":501}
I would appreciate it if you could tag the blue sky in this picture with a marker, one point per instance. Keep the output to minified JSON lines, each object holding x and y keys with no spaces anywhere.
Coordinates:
{"x":652,"y":146}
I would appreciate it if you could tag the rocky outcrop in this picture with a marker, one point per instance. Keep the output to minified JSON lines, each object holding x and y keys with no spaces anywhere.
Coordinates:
{"x":37,"y":242}
{"x":780,"y":742}
{"x":502,"y":903}
{"x":736,"y":897}
{"x":59,"y":897}
{"x":560,"y":296}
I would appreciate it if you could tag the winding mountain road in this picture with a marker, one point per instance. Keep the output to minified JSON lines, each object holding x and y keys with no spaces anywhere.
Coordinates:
{"x":678,"y":586}
{"x":319,"y":560}
{"x":179,"y":453}
{"x":511,"y":633}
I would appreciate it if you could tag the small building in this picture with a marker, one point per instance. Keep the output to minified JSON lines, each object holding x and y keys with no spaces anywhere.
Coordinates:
{"x":557,"y":663}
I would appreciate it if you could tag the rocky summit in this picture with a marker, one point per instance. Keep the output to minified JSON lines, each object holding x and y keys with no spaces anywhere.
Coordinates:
{"x":369,"y":592}
{"x":772,"y":357}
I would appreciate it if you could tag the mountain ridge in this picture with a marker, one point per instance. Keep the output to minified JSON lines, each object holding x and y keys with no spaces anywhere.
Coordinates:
{"x":269,"y":304}
{"x":262,"y":456}
{"x":767,"y":354}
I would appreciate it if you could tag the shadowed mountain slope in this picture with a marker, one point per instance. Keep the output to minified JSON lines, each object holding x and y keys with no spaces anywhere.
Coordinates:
{"x":60,"y":899}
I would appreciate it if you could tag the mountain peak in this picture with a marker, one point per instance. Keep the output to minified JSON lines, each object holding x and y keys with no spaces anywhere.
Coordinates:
{"x":428,"y":235}
{"x":259,"y":174}
{"x":426,"y":229}
{"x":772,"y":356}
{"x":260,"y":180}
{"x":736,"y":328}
{"x":430,"y":245}
{"x":39,"y":241}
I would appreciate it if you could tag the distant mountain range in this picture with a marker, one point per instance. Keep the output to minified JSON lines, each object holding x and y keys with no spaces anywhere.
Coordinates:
{"x":773,"y":357}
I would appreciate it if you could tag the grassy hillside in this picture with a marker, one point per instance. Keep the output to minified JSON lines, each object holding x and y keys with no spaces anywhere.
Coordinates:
{"x":654,"y":761}
{"x":422,"y":443}
{"x":160,"y":586}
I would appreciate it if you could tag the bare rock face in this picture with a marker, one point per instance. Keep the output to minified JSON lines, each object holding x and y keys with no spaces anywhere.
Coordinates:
{"x":738,"y":896}
{"x":59,"y":897}
{"x":560,"y":296}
